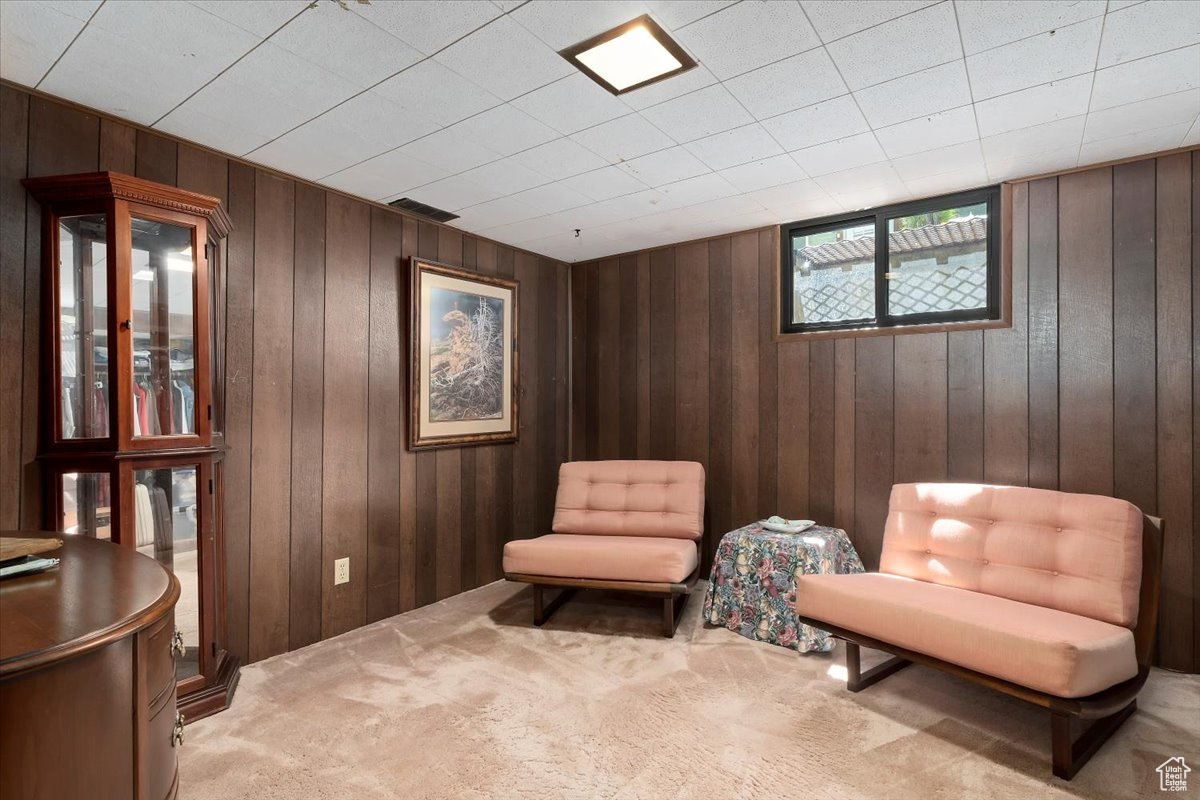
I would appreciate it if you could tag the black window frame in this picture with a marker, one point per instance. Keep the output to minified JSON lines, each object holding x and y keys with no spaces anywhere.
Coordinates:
{"x":879,"y":217}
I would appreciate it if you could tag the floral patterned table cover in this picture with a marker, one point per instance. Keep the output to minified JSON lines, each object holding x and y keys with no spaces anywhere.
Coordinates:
{"x":752,"y":589}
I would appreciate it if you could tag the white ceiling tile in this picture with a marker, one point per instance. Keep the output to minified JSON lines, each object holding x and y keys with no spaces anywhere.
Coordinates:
{"x":927,"y":133}
{"x":428,"y":25}
{"x":695,"y":78}
{"x":33,"y":35}
{"x":907,"y":44}
{"x":262,"y":17}
{"x":864,"y":187}
{"x":453,"y":193}
{"x":1065,"y":134}
{"x":502,"y":211}
{"x":722,"y":209}
{"x":762,"y":174}
{"x":1039,"y":59}
{"x":604,"y":183}
{"x":966,"y":157}
{"x":231,"y":132}
{"x":1144,"y":115}
{"x":560,"y":159}
{"x":434,"y":91}
{"x":1133,"y":144}
{"x":1165,"y":73}
{"x":571,"y":104}
{"x":449,"y":150}
{"x":506,"y":177}
{"x":699,"y":189}
{"x":797,"y":201}
{"x":748,"y":35}
{"x":1029,"y":107}
{"x":834,"y":19}
{"x":823,"y":122}
{"x":1023,"y":165}
{"x":738,"y":146}
{"x":527,"y":230}
{"x":504,"y":130}
{"x":1117,"y":5}
{"x":505,"y":59}
{"x":840,"y":154}
{"x":623,"y":139}
{"x":1148,"y":28}
{"x":665,"y":166}
{"x":562,"y":23}
{"x":926,"y":92}
{"x":552,"y":198}
{"x":791,"y":83}
{"x":1193,"y":135}
{"x":153,"y":55}
{"x":345,"y":44}
{"x":698,"y":114}
{"x":388,"y":175}
{"x":674,"y":14}
{"x":947,"y":182}
{"x":990,"y":23}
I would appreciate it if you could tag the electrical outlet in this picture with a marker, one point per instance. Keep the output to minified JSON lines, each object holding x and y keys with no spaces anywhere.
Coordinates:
{"x":341,"y":571}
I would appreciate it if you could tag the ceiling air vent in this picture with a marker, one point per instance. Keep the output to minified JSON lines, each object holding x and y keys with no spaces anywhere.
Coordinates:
{"x":410,"y":205}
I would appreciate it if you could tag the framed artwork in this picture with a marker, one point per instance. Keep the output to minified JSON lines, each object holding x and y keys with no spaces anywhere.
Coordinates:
{"x":463,"y":367}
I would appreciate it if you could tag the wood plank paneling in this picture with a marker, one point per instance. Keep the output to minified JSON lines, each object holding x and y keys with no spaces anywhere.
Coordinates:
{"x":1043,"y":333}
{"x":157,"y":158}
{"x":524,"y":475}
{"x":768,"y":378}
{"x":579,"y":336}
{"x":793,"y":398}
{"x":842,"y":446}
{"x":627,"y":436}
{"x":964,"y":406}
{"x":547,"y":335}
{"x":719,"y":473}
{"x":467,"y":467}
{"x":662,"y":354}
{"x":608,"y":360}
{"x":408,"y":558}
{"x":271,"y":416}
{"x":118,"y":147}
{"x":874,"y":442}
{"x":487,"y":545}
{"x":14,"y":142}
{"x":744,"y":352}
{"x":824,"y":408}
{"x":920,"y":408}
{"x":691,"y":354}
{"x":592,"y":362}
{"x":643,"y":360}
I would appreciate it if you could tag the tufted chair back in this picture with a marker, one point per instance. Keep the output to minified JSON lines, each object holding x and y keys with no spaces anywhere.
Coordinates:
{"x":664,"y":499}
{"x":1078,"y":553}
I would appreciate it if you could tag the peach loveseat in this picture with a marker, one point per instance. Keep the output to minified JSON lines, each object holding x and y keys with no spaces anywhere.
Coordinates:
{"x":625,"y":525}
{"x":1045,"y":595}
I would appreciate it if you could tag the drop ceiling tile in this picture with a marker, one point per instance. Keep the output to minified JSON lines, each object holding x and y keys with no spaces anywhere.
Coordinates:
{"x":747,"y":36}
{"x":262,"y":17}
{"x":674,"y":14}
{"x":990,"y":23}
{"x":927,"y":133}
{"x":1193,"y":135}
{"x":723,"y":208}
{"x":502,"y":211}
{"x":504,"y":130}
{"x":738,"y":146}
{"x":604,"y":183}
{"x":840,"y":154}
{"x":1133,"y":144}
{"x":763,"y":174}
{"x":1144,"y":115}
{"x":864,"y":187}
{"x":1024,"y":165}
{"x":562,"y":23}
{"x":505,"y":59}
{"x":1165,"y":73}
{"x":796,"y":201}
{"x":1039,"y":59}
{"x":834,"y":19}
{"x":698,"y":114}
{"x":695,"y":78}
{"x":345,"y":44}
{"x":453,"y":193}
{"x":1010,"y":147}
{"x":449,"y":150}
{"x":823,"y":122}
{"x":966,"y":158}
{"x":571,"y":104}
{"x":699,"y":189}
{"x":665,"y":166}
{"x":947,"y":182}
{"x":925,"y":92}
{"x":1148,"y":28}
{"x":1029,"y":107}
{"x":551,"y":198}
{"x":33,"y":35}
{"x":560,"y":159}
{"x":428,"y":25}
{"x":517,"y":233}
{"x":389,"y":175}
{"x":788,"y":84}
{"x":153,"y":54}
{"x":901,"y":46}
{"x":434,"y":91}
{"x":623,"y":139}
{"x":505,"y":177}
{"x":230,"y":132}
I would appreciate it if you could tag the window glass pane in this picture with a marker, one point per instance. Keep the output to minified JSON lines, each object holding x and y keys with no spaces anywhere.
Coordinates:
{"x":164,"y":330}
{"x":83,"y":324}
{"x":87,"y":504}
{"x":166,"y":526}
{"x":833,"y":278}
{"x":937,"y":261}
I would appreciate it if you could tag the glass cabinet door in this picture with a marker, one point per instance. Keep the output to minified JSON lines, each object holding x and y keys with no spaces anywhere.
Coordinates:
{"x":82,"y":308}
{"x":163,"y":329}
{"x":86,"y":504}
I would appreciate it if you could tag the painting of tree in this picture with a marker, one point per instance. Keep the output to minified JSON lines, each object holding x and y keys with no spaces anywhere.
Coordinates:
{"x":466,"y":356}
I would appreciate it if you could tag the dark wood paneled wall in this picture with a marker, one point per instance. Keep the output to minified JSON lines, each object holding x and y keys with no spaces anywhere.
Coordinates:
{"x":316,"y":344}
{"x":1093,"y":389}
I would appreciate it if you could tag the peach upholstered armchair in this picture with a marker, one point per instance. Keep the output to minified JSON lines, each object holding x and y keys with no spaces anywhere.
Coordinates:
{"x":626,"y":525}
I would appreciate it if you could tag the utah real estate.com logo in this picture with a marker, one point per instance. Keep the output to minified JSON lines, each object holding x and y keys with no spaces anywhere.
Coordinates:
{"x":1172,"y":775}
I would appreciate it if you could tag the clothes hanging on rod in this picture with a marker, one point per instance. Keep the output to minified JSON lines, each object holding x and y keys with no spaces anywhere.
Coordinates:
{"x":143,"y":515}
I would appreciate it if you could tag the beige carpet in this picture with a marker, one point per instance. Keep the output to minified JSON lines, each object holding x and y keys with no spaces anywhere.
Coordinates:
{"x":465,"y":699}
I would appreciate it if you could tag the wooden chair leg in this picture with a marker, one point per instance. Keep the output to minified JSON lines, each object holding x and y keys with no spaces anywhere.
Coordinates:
{"x":673,"y":606}
{"x":542,"y":611}
{"x":1069,"y":754}
{"x":856,"y":680}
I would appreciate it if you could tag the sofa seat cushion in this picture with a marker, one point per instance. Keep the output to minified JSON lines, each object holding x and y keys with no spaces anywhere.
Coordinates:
{"x":1052,"y":651}
{"x":611,"y":558}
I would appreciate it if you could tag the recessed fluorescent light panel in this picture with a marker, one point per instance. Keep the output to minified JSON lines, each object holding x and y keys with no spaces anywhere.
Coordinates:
{"x":629,"y":56}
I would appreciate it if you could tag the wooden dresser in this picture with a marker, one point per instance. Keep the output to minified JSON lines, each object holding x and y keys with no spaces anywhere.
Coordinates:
{"x":87,"y":678}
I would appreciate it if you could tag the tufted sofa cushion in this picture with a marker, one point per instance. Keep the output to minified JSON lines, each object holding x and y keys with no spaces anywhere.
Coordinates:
{"x":1077,"y":553}
{"x":663,"y":499}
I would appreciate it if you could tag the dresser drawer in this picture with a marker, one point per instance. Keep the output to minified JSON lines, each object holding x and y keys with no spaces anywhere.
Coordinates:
{"x":161,"y":753}
{"x":160,"y":661}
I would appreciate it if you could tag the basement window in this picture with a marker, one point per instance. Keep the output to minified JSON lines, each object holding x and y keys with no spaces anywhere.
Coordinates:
{"x":925,"y":262}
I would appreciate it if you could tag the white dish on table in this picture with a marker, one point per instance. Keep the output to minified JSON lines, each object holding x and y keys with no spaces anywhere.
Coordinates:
{"x":781,"y":525}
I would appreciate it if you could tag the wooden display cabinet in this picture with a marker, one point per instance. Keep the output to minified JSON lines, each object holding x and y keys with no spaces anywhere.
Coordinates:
{"x":131,"y":374}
